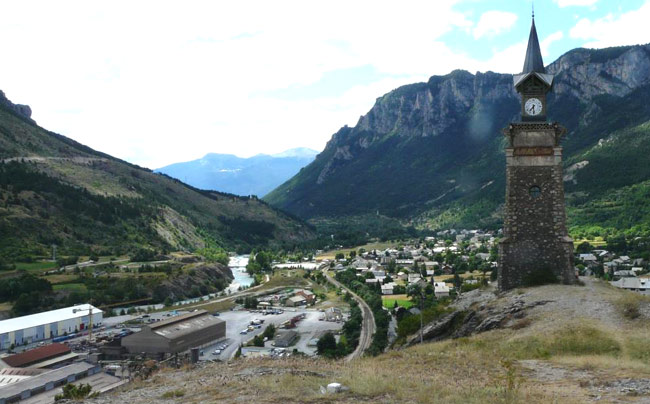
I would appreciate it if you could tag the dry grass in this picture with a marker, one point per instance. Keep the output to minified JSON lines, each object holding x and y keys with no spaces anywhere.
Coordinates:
{"x":61,"y":278}
{"x":629,"y":304}
{"x":330,"y":255}
{"x":551,"y":357}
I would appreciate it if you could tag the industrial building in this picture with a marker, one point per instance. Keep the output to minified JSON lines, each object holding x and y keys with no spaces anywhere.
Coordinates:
{"x":177,"y":334}
{"x":48,"y":356}
{"x":41,"y":385}
{"x":285,"y":339}
{"x":49,"y":324}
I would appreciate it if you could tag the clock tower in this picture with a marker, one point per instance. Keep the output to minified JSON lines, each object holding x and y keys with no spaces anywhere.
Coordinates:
{"x":536,"y":247}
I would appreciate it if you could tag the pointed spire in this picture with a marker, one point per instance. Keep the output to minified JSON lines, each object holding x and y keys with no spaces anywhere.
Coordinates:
{"x":533,"y":61}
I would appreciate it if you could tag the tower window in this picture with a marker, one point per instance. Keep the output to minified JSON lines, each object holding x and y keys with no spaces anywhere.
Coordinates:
{"x":535,"y":191}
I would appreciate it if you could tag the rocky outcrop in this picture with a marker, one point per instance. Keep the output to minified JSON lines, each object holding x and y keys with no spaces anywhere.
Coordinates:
{"x":476,"y":312}
{"x":205,"y":278}
{"x":21,"y":110}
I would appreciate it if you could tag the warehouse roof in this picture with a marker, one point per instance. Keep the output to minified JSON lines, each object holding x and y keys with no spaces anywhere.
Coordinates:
{"x":285,"y":338}
{"x":38,"y":381}
{"x":184,"y":324}
{"x":46,"y":317}
{"x":36,"y":355}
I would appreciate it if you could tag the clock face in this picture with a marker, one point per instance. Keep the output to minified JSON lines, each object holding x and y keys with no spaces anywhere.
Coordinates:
{"x":533,"y":106}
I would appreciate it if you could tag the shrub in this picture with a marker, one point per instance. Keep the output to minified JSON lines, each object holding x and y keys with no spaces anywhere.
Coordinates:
{"x":629,"y":305}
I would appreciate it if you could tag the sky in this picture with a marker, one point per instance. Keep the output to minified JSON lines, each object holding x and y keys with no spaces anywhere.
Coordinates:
{"x":158,"y":82}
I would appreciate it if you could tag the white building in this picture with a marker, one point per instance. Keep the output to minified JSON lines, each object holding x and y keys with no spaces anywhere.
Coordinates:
{"x":441,"y":289}
{"x":633,"y":284}
{"x":46,"y":325}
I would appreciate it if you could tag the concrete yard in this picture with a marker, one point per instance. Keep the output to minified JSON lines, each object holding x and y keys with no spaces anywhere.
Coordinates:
{"x":236,"y":321}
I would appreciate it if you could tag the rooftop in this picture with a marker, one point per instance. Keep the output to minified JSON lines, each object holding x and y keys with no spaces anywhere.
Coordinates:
{"x":184,"y":324}
{"x":46,"y":317}
{"x":36,"y":355}
{"x":42,"y":379}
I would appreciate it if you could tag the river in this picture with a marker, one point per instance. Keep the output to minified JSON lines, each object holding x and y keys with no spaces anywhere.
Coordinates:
{"x":237,"y":265}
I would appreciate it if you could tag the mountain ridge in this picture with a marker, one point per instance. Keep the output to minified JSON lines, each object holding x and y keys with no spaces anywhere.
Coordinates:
{"x":255,"y":175}
{"x":427,"y":148}
{"x":54,"y":190}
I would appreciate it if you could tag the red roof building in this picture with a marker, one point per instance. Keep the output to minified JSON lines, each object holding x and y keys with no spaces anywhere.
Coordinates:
{"x":36,"y":355}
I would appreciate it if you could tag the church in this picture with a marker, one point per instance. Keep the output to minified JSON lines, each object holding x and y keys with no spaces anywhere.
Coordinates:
{"x":536,"y":248}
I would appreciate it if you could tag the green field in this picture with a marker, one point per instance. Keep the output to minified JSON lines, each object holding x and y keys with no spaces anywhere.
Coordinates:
{"x":390,"y":303}
{"x":35,"y":266}
{"x":71,"y":287}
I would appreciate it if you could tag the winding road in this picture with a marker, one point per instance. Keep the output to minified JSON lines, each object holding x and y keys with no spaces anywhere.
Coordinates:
{"x":367,"y":322}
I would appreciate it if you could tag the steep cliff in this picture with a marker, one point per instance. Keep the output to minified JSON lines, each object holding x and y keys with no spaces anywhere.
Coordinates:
{"x":433,"y":151}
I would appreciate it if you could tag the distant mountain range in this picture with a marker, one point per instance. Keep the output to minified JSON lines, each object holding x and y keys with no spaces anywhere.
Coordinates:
{"x":55,"y":191}
{"x":257,"y":175}
{"x":431,"y":154}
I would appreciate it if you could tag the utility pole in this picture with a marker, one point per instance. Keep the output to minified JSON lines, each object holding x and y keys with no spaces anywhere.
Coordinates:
{"x":90,"y":322}
{"x":421,"y":315}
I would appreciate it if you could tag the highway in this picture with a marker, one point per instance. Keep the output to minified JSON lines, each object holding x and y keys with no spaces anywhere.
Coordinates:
{"x":367,"y":322}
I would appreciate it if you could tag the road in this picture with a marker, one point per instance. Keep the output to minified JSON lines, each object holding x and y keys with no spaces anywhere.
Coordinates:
{"x":367,"y":322}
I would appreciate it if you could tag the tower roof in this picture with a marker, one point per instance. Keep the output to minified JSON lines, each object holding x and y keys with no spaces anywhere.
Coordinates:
{"x":533,"y":64}
{"x":533,"y":61}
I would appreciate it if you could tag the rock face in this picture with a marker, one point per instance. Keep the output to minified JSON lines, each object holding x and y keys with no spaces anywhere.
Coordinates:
{"x":207,"y":277}
{"x":21,"y":110}
{"x":424,"y":146}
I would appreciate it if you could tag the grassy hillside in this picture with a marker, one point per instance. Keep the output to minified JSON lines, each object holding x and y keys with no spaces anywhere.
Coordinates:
{"x":54,"y":190}
{"x":573,"y":344}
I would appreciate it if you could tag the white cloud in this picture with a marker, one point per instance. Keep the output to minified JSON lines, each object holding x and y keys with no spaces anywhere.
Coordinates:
{"x":614,"y":30}
{"x":157,"y":82}
{"x":548,"y":41}
{"x":581,"y":3}
{"x":493,"y":23}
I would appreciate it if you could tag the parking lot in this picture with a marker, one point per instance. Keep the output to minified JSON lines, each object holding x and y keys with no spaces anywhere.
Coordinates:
{"x":237,"y":321}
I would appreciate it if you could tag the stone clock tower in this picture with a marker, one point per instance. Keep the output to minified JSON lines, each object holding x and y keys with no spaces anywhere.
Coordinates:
{"x":536,"y":247}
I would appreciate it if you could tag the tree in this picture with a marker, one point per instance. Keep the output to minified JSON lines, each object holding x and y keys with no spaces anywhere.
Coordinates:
{"x":75,"y":392}
{"x":339,"y":256}
{"x":326,"y":346}
{"x":584,"y":248}
{"x":269,"y":332}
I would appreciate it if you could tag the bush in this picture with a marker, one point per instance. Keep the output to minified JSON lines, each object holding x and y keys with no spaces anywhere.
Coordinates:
{"x":75,"y":392}
{"x":629,"y":305}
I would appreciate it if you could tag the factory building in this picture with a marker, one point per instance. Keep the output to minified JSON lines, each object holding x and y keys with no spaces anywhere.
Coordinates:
{"x":48,"y":356}
{"x":49,"y":324}
{"x":177,"y":334}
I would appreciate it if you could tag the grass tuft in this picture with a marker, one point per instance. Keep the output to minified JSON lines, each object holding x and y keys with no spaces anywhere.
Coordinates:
{"x":629,"y":305}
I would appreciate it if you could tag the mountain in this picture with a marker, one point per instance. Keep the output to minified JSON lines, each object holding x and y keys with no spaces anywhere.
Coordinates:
{"x":54,"y":190}
{"x":255,"y":175}
{"x":432,"y":153}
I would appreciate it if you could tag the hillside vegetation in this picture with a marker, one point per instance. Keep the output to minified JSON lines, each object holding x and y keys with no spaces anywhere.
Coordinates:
{"x":55,"y":191}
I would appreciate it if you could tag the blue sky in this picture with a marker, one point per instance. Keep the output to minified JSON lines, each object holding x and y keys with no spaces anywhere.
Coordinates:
{"x":157,"y":82}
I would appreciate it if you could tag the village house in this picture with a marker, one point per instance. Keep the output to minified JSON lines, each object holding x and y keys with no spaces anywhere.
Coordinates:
{"x":309,"y":296}
{"x":634,"y":284}
{"x":387,"y":288}
{"x":441,"y":289}
{"x":414,"y":278}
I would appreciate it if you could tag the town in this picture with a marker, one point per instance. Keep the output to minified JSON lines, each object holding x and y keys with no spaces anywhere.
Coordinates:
{"x":297,"y":309}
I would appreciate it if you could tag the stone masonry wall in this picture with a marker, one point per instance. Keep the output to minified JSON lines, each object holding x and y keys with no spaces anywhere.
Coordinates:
{"x":535,"y":241}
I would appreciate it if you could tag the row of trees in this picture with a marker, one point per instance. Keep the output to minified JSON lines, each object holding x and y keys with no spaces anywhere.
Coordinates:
{"x":372,"y":296}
